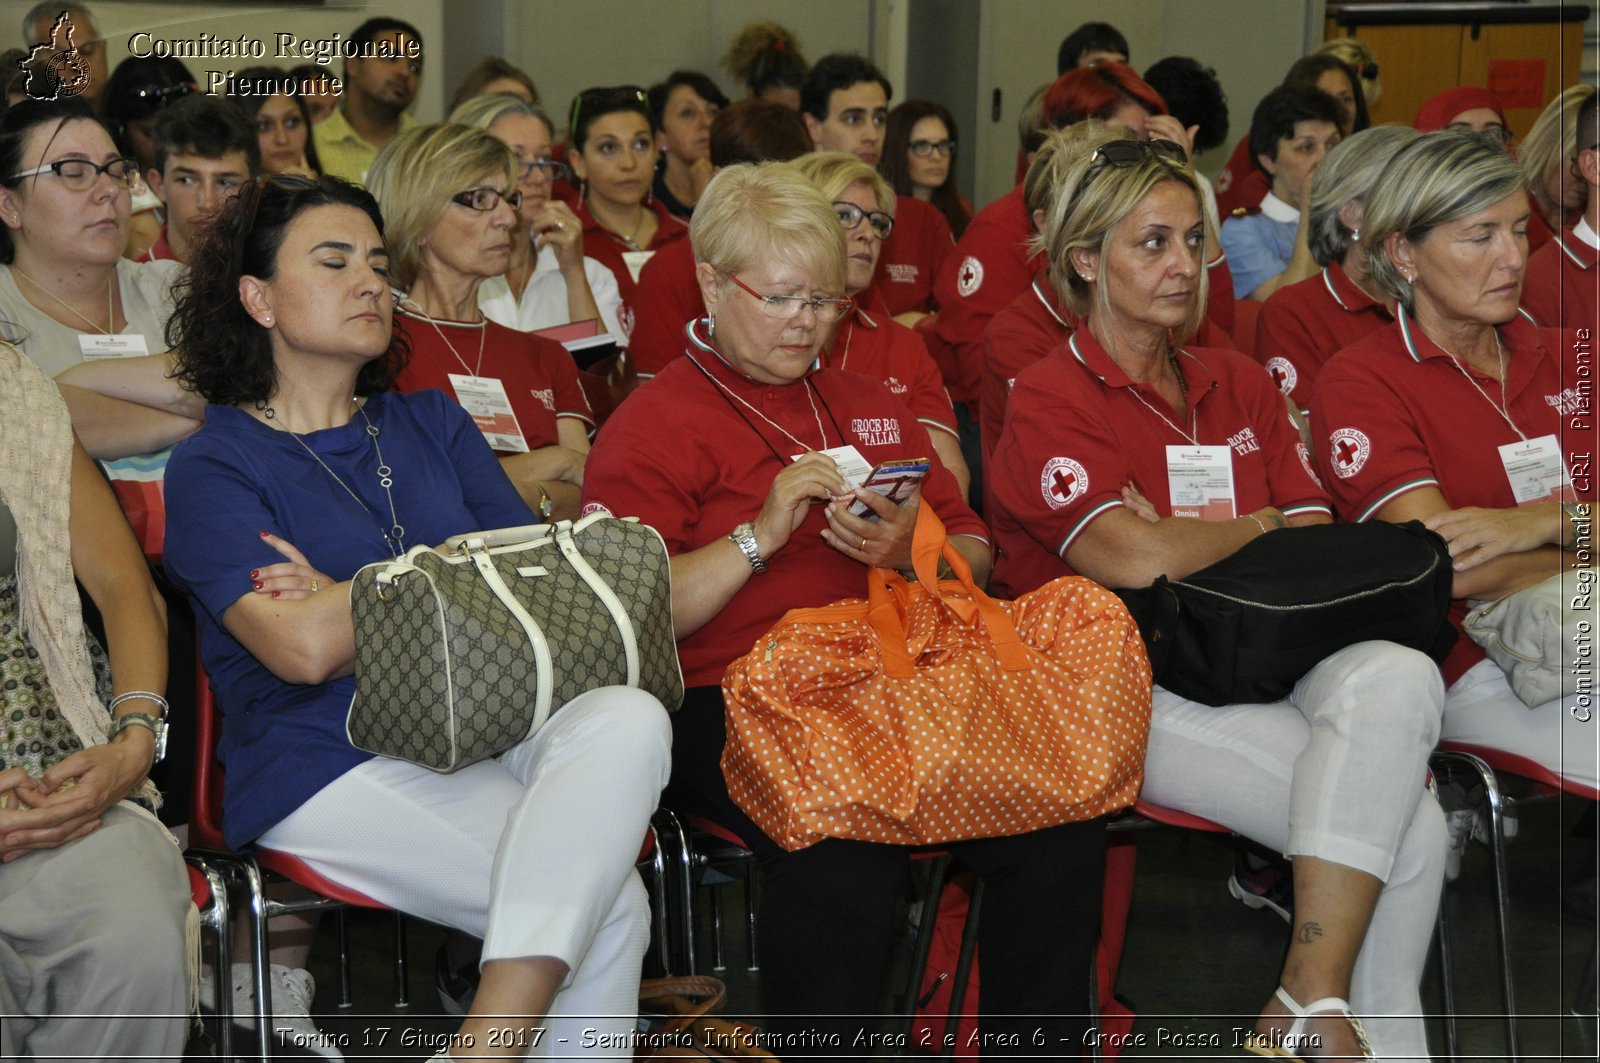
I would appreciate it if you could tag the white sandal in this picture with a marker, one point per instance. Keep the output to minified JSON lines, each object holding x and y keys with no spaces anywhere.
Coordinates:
{"x":1287,"y":1045}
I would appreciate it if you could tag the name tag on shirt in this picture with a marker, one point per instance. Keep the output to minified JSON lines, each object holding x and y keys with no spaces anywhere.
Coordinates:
{"x":1536,"y":471}
{"x":1200,"y":482}
{"x":484,"y":397}
{"x":852,"y":466}
{"x":635,"y":261}
{"x":122,"y":345}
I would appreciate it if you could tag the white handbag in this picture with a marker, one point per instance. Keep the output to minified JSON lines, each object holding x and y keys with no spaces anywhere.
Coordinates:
{"x":1540,"y":635}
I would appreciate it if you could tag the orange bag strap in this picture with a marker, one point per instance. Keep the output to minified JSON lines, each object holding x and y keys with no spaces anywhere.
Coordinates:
{"x":889,"y":595}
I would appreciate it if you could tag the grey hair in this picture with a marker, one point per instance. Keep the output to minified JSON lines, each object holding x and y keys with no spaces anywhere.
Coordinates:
{"x":1347,"y":175}
{"x":481,"y":112}
{"x":47,"y":11}
{"x":1436,"y":179}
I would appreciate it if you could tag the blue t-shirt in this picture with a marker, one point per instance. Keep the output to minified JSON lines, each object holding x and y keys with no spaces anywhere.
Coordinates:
{"x":282,"y":742}
{"x":1258,"y":248}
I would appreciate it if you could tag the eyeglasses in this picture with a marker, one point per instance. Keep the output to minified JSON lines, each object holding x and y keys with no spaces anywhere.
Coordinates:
{"x":826,"y":309}
{"x":924,"y":148}
{"x":155,"y":94}
{"x":79,"y":175}
{"x":1120,"y":153}
{"x":850,"y":216}
{"x":1367,"y":71}
{"x":553,"y":170}
{"x":487,"y":199}
{"x":618,"y":98}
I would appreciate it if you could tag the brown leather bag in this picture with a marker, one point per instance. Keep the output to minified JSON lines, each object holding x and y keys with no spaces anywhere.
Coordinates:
{"x":677,"y":1011}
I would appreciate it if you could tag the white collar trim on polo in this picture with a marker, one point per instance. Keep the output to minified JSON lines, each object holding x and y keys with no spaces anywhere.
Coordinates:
{"x":1583,"y":232}
{"x":1278,"y":210}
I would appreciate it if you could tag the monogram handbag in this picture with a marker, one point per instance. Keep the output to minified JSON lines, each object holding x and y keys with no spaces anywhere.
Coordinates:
{"x":461,"y":655}
{"x":1540,"y":634}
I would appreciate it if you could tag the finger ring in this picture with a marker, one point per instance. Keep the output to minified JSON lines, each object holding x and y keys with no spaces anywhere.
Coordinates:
{"x":863,"y":546}
{"x":315,"y":586}
{"x":561,"y":226}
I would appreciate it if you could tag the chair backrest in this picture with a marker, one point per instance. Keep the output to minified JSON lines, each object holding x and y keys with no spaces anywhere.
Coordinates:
{"x":205,"y":805}
{"x":1512,"y":764}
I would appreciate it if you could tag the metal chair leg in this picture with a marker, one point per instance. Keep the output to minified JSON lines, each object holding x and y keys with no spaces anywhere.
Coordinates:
{"x":719,"y":959}
{"x":342,"y":923}
{"x":938,"y":870}
{"x":753,"y":959}
{"x":260,"y":963}
{"x":402,"y":991}
{"x":958,"y":985}
{"x":1452,"y":1047}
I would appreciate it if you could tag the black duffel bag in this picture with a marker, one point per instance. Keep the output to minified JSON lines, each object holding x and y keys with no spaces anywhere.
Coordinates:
{"x":1248,"y":627}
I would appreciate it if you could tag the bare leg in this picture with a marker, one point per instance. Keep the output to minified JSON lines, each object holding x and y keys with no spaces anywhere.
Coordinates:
{"x":1332,"y":906}
{"x":515,"y":994}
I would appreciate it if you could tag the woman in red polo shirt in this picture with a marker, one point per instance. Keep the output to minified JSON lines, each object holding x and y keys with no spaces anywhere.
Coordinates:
{"x":748,"y":492}
{"x":1464,"y":415}
{"x":449,"y":199}
{"x":1096,"y":435}
{"x":613,"y":156}
{"x":1306,"y":323}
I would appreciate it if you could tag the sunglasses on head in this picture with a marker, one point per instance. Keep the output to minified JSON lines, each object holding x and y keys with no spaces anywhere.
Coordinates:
{"x":607,"y":98}
{"x":1120,"y":153}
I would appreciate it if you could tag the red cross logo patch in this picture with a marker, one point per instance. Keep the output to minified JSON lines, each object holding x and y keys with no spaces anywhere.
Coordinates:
{"x":1062,"y":482}
{"x":1283,"y":374}
{"x":1348,"y":450}
{"x":970,"y":277}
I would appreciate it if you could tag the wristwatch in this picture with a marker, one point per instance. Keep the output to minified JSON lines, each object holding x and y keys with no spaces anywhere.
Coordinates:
{"x":744,"y":537}
{"x":154,"y":724}
{"x":546,"y":506}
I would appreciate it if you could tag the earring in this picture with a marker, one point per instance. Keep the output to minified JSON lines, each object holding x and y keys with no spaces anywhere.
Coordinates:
{"x":1355,"y":235}
{"x":266,"y":320}
{"x":711,"y":326}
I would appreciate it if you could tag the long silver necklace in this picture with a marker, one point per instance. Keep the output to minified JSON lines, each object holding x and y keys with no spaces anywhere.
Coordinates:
{"x":1504,"y":408}
{"x":1192,"y":435}
{"x":395,"y":537}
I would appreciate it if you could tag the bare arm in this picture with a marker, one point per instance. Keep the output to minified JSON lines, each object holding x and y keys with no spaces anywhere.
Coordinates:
{"x":1122,"y":549}
{"x":1497,"y":573}
{"x":301,"y":635}
{"x":557,"y":227}
{"x":146,"y":380}
{"x":948,"y":447}
{"x":113,"y":428}
{"x":108,"y":563}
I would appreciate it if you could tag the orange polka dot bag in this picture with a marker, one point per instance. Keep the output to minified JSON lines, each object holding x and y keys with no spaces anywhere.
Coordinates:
{"x":929,"y":712}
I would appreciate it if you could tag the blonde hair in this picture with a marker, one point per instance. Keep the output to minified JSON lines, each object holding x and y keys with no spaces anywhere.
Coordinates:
{"x":835,"y":171}
{"x":1436,"y":179}
{"x":1358,"y":57}
{"x":1347,"y":175}
{"x":1552,"y":143}
{"x":414,"y":177}
{"x":1090,"y":202}
{"x":753,"y":212}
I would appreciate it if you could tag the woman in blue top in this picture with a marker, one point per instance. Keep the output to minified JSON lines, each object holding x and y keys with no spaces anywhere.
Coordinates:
{"x":284,"y":327}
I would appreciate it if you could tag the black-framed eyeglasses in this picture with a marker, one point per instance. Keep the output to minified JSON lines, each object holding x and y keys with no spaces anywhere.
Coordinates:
{"x":826,"y":309}
{"x":554,"y":169}
{"x":79,"y":175}
{"x":924,"y":148}
{"x":850,"y":216}
{"x":623,"y":96}
{"x":1120,"y":153}
{"x":486,"y":199}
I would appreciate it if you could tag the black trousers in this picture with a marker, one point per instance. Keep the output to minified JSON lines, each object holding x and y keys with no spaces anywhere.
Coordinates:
{"x":827,"y":915}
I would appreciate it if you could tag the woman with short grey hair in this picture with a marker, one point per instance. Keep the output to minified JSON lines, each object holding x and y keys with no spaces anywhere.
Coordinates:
{"x":1308,"y":322}
{"x":1464,"y":415}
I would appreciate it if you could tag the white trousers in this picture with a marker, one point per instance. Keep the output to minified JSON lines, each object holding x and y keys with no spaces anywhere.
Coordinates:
{"x":1481,"y":709}
{"x":1335,"y":771}
{"x":532,"y":851}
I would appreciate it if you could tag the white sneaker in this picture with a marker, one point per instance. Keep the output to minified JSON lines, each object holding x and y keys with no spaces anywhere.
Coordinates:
{"x":292,"y":991}
{"x":1458,"y":829}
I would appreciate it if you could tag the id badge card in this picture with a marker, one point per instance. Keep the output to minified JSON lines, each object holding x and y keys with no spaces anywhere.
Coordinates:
{"x":1537,"y":471}
{"x":852,"y":466}
{"x":635,"y":261}
{"x":122,"y":345}
{"x":1200,"y":482}
{"x":484,"y":397}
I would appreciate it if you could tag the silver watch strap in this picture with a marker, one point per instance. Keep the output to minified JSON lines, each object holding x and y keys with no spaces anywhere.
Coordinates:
{"x":155,"y":726}
{"x":744,"y":537}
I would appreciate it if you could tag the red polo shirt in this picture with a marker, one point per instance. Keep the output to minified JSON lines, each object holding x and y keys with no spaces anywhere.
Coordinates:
{"x":1305,"y":324}
{"x":691,"y":460}
{"x":989,"y":267}
{"x":606,"y":247}
{"x":871,"y":343}
{"x":1395,"y":413}
{"x":1562,"y":287}
{"x":539,"y":376}
{"x":1077,"y":429}
{"x":666,"y":299}
{"x":912,"y":256}
{"x":160,"y":251}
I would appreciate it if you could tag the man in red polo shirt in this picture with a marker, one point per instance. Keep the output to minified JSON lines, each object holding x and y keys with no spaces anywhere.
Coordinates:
{"x":1562,"y":286}
{"x":205,"y":151}
{"x":845,"y":104}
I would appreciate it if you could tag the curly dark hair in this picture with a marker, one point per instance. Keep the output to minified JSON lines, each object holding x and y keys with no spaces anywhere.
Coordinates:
{"x":1195,"y":97}
{"x":221,"y":352}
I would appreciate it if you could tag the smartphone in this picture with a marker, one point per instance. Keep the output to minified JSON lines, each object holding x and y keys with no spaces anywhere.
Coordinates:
{"x":893,"y":480}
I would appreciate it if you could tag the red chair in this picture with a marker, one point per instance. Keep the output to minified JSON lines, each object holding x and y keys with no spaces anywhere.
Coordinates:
{"x":1487,"y":765}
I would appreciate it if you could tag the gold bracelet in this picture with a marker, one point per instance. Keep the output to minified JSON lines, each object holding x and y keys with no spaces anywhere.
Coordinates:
{"x":1260,"y":525}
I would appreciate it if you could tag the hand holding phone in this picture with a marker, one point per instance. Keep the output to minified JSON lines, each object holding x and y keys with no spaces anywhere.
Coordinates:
{"x":895,"y":480}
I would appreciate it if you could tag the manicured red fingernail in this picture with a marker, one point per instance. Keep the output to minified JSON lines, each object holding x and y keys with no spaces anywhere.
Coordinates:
{"x":257,"y":583}
{"x":265,"y":534}
{"x":276,"y":593}
{"x":255,"y":573}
